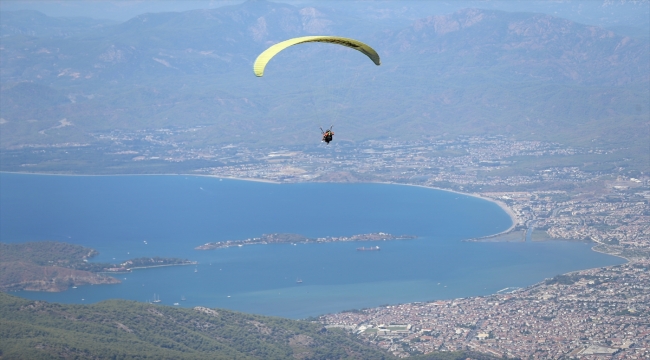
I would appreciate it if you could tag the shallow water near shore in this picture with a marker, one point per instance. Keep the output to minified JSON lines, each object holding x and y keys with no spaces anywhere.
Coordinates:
{"x":116,"y":215}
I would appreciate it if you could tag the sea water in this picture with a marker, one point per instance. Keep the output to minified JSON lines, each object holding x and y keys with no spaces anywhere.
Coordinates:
{"x":125,"y":217}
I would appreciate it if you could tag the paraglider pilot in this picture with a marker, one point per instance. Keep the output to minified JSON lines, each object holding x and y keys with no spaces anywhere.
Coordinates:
{"x":327,"y":134}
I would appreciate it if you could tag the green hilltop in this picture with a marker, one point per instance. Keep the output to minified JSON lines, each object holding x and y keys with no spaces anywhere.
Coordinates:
{"x":118,"y":329}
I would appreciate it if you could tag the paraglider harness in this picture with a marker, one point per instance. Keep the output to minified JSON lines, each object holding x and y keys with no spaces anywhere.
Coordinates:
{"x":327,"y":134}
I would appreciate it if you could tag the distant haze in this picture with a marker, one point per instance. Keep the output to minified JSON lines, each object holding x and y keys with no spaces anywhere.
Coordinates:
{"x":554,"y":72}
{"x":605,"y":13}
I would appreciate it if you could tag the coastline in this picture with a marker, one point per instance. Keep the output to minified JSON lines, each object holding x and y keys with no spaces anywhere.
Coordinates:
{"x":502,"y":205}
{"x":234,"y":178}
{"x":107,"y":175}
{"x":156,"y":266}
{"x":593,"y":248}
{"x":128,"y":270}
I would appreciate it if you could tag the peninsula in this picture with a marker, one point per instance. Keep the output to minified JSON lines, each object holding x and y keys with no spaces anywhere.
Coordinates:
{"x":300,"y":239}
{"x":56,"y":266}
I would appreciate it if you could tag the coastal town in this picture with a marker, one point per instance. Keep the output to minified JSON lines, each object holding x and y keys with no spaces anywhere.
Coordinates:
{"x":552,"y":192}
{"x":584,"y":315}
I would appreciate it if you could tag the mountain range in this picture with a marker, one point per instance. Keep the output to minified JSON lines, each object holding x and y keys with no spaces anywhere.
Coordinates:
{"x":474,"y":71}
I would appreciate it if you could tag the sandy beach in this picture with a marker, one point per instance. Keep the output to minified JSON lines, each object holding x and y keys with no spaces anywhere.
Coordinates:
{"x":201,"y":175}
{"x":234,"y":178}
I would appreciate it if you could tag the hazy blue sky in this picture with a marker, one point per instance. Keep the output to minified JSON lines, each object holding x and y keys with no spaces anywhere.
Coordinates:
{"x":114,"y":10}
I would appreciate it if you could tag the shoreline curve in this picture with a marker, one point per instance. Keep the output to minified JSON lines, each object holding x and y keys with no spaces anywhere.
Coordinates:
{"x":503,"y":206}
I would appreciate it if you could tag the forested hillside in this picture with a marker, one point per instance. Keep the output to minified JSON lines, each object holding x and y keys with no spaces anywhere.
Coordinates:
{"x":120,"y":329}
{"x":56,"y":266}
{"x":47,"y":266}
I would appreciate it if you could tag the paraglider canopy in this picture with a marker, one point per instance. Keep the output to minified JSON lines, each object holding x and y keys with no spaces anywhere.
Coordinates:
{"x":268,"y":54}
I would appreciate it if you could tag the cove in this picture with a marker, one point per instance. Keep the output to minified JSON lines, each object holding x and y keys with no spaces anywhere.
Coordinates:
{"x":116,"y":215}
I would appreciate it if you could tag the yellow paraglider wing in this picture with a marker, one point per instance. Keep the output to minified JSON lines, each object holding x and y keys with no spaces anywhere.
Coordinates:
{"x":268,"y":54}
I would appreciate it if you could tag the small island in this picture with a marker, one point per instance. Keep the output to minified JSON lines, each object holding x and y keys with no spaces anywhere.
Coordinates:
{"x":300,"y":239}
{"x":139,"y":263}
{"x":56,"y":266}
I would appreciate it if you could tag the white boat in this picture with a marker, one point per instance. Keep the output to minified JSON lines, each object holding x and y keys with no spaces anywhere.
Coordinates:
{"x":156,"y":299}
{"x":176,"y":304}
{"x":372,"y":248}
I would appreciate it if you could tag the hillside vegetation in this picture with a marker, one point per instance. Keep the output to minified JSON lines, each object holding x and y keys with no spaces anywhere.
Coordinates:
{"x":46,"y":266}
{"x":45,"y":253}
{"x":56,"y":266}
{"x":118,"y":329}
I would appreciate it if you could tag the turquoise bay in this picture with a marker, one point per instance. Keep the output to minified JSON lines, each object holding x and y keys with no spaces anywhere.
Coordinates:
{"x":173,"y":214}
